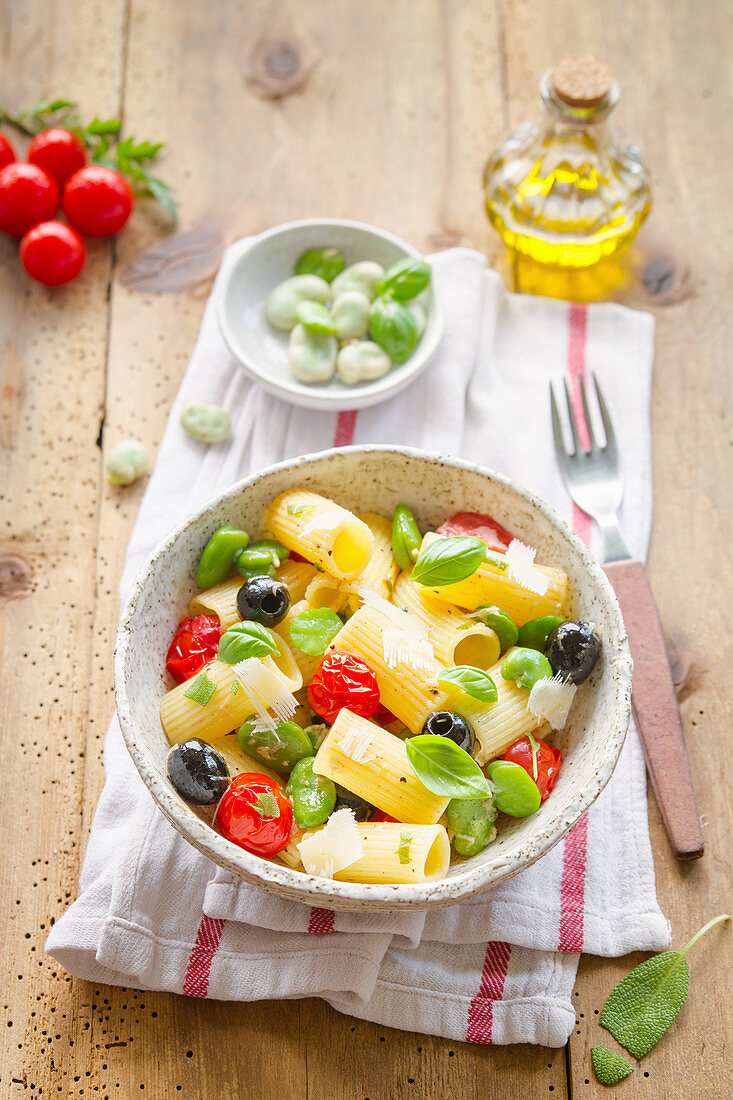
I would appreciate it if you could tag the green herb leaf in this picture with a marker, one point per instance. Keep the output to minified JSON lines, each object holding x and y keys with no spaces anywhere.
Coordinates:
{"x":405,"y":279}
{"x":644,"y":1004}
{"x":403,"y":848}
{"x":313,"y":631}
{"x":445,"y":769}
{"x":474,"y":681}
{"x":235,"y":687}
{"x":298,"y":509}
{"x":448,"y":560}
{"x":99,"y":126}
{"x":266,"y":805}
{"x":201,"y":689}
{"x":245,"y":640}
{"x":327,"y":263}
{"x":394,"y":328}
{"x":610,"y":1068}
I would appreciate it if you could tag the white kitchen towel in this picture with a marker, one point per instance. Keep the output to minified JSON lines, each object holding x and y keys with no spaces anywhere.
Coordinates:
{"x":496,"y":969}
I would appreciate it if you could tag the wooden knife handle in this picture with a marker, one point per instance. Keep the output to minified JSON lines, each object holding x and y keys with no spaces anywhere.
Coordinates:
{"x":657,"y":715}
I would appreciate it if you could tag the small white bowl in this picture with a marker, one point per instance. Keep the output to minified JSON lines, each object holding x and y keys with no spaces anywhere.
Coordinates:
{"x":263,"y":351}
{"x":375,"y":479}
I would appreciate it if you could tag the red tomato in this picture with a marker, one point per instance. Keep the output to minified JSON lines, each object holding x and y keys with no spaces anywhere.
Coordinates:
{"x":254,"y":813}
{"x":7,"y":152}
{"x":58,"y":152}
{"x":548,"y":761}
{"x":97,"y":200}
{"x":383,"y":716}
{"x":380,"y":815}
{"x":481,"y":527}
{"x":343,"y":680}
{"x":28,"y":195}
{"x":196,"y":642}
{"x":52,"y":253}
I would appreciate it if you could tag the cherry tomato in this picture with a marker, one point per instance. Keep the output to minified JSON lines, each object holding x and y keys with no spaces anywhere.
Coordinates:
{"x":481,"y":527}
{"x":52,"y":253}
{"x":196,"y":642}
{"x":255,"y":814}
{"x":343,"y":680}
{"x":58,"y":152}
{"x":28,"y":195}
{"x":547,"y":757}
{"x":7,"y":152}
{"x":383,"y":716}
{"x":380,"y":815}
{"x":97,"y":200}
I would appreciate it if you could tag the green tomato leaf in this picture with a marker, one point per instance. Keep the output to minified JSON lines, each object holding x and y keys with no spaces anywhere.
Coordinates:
{"x":394,"y":328}
{"x":448,"y":560}
{"x":405,"y":279}
{"x":474,"y":681}
{"x":610,"y":1068}
{"x":313,"y":631}
{"x":245,"y":640}
{"x":445,"y":769}
{"x":162,"y":193}
{"x":99,"y":126}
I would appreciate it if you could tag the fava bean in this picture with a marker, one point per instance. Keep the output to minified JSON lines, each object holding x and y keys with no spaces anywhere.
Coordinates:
{"x":420,"y":313}
{"x":279,"y":749}
{"x":283,"y":301}
{"x":262,"y":558}
{"x":207,"y":423}
{"x":526,"y":667}
{"x":313,"y":796}
{"x":126,"y":462}
{"x":535,"y":633}
{"x":363,"y":275}
{"x":406,"y":537}
{"x":502,"y":624}
{"x":362,"y":361}
{"x":515,"y":791}
{"x":472,"y":820}
{"x":316,"y":318}
{"x":317,"y":734}
{"x":325,"y":262}
{"x":312,"y":358}
{"x":219,"y":556}
{"x":350,"y":312}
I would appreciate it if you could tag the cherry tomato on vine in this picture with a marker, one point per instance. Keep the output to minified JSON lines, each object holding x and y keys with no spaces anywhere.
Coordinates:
{"x":97,"y":200}
{"x":255,"y":814}
{"x":28,"y":195}
{"x":195,"y":643}
{"x":7,"y":152}
{"x":480,"y":526}
{"x":58,"y":152}
{"x":52,"y":253}
{"x":547,"y":758}
{"x":343,"y":680}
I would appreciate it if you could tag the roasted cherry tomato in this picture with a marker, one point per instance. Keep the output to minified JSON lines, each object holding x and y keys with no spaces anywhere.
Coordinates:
{"x":382,"y":716}
{"x":28,"y":195}
{"x":547,"y":758}
{"x":58,"y":152}
{"x":97,"y":200}
{"x":7,"y":152}
{"x":481,"y":527}
{"x":380,"y":815}
{"x":255,"y":814}
{"x":343,"y":680}
{"x":52,"y":253}
{"x":196,"y":642}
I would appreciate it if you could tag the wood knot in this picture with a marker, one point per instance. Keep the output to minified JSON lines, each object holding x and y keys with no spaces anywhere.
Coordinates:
{"x":665,"y":280}
{"x":177,"y":262}
{"x":280,"y":66}
{"x":16,"y":576}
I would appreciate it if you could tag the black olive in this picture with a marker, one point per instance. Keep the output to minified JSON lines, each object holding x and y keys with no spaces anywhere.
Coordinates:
{"x":572,"y":649}
{"x":445,"y":723}
{"x":198,"y":771}
{"x":347,"y":800}
{"x":263,"y":600}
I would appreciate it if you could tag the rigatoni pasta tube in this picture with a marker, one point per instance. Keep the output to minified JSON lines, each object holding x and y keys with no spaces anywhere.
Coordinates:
{"x":399,"y":853}
{"x":381,"y":570}
{"x":456,"y":639}
{"x":373,"y":763}
{"x":497,"y":724}
{"x":297,"y":575}
{"x":491,"y":584}
{"x":221,"y":600}
{"x":321,"y":531}
{"x":325,"y":591}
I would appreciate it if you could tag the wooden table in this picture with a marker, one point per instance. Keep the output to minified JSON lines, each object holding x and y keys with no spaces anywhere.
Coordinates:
{"x":381,"y":110}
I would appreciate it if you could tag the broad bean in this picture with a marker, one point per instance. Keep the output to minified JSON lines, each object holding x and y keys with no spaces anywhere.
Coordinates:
{"x":279,"y":749}
{"x":316,"y":318}
{"x":262,"y":558}
{"x":219,"y":556}
{"x":515,"y":791}
{"x":126,"y":462}
{"x":526,"y":667}
{"x":363,"y":275}
{"x":313,"y":796}
{"x":350,"y":312}
{"x":312,"y":358}
{"x":420,"y":313}
{"x":472,"y":820}
{"x":406,"y":537}
{"x":502,"y":624}
{"x":362,"y":361}
{"x":535,"y":633}
{"x":207,"y":423}
{"x":282,"y":304}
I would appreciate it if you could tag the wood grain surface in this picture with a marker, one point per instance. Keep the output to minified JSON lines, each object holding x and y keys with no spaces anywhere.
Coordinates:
{"x":383,"y":111}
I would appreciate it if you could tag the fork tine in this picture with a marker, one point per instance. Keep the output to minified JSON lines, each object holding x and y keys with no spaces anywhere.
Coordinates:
{"x":605,"y":415}
{"x":573,"y":425}
{"x":586,"y":414}
{"x":556,"y":428}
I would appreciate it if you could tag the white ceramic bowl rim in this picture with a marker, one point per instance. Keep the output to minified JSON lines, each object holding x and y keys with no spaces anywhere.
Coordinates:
{"x":319,"y":891}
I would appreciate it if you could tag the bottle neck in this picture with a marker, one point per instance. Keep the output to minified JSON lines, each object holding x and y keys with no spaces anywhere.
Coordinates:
{"x":576,"y":118}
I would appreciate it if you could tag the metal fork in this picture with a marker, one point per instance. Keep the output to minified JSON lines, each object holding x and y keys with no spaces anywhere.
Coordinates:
{"x":594,"y":480}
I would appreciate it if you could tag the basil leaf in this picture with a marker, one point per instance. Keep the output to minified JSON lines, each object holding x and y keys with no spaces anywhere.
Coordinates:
{"x":245,"y":640}
{"x":394,"y":328}
{"x":201,"y":689}
{"x":313,"y":631}
{"x":446,"y":769}
{"x":474,"y":681}
{"x":448,"y":560}
{"x":327,"y":263}
{"x":405,"y":279}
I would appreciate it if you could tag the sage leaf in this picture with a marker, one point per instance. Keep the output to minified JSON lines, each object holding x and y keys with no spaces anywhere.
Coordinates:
{"x":445,"y":769}
{"x":245,"y":640}
{"x":313,"y":631}
{"x":610,"y":1068}
{"x":474,"y":681}
{"x":448,"y":560}
{"x":645,"y":1002}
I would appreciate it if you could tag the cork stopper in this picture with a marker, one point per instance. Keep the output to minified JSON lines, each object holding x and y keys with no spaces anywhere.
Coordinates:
{"x":582,"y":80}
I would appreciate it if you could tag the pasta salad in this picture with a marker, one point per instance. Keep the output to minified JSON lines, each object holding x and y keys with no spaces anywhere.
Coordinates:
{"x":365,"y":702}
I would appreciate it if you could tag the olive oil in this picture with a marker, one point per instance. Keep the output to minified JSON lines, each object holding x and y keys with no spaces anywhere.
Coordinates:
{"x":566,"y":196}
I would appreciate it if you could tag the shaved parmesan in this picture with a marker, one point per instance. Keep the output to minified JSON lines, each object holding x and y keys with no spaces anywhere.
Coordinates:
{"x":550,"y":700}
{"x":407,"y":647}
{"x":355,"y":744}
{"x":334,"y":847}
{"x":520,"y":559}
{"x":266,"y":690}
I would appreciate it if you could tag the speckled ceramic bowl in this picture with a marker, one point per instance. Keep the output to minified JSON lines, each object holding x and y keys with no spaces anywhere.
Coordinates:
{"x":375,"y":479}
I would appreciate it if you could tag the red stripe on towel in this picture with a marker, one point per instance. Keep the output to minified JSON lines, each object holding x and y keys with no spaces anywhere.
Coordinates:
{"x":321,"y":921}
{"x":493,"y":976}
{"x":208,"y":937}
{"x":345,"y":425}
{"x":577,"y":329}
